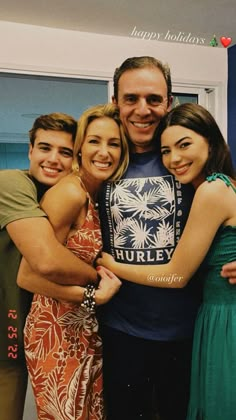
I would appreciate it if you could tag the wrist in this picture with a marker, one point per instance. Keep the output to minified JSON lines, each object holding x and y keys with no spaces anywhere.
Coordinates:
{"x":72,"y":293}
{"x":99,"y":298}
{"x":116,"y":268}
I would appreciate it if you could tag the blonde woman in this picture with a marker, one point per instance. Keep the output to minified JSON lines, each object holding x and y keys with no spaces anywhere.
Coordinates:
{"x":62,"y":345}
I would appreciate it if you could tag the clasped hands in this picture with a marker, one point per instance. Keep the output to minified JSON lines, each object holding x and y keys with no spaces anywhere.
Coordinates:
{"x":109,"y":283}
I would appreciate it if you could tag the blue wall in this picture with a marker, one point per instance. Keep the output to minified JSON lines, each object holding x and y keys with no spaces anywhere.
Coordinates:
{"x":232,"y":101}
{"x":14,"y":156}
{"x":25,"y":97}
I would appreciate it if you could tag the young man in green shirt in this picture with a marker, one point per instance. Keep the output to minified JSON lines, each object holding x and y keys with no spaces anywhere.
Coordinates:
{"x":25,"y":230}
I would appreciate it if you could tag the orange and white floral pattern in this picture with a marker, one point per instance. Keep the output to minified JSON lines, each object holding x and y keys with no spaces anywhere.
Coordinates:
{"x":62,"y":346}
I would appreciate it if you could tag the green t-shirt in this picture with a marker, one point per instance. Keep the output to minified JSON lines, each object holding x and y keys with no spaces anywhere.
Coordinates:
{"x":18,"y":200}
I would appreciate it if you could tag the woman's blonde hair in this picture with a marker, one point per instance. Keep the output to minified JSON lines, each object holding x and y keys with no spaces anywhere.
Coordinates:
{"x":100,"y":111}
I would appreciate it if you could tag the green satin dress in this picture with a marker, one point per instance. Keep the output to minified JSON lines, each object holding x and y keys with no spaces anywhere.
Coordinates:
{"x":213,"y":380}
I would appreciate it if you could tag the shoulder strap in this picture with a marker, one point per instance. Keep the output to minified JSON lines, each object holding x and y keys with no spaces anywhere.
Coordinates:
{"x":223,"y":178}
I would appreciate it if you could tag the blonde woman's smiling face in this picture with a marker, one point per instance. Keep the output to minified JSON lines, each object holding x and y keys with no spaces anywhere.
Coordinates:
{"x":101,"y":149}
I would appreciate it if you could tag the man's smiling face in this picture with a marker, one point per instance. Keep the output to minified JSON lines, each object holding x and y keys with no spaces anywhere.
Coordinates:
{"x":142,"y":100}
{"x":51,"y":156}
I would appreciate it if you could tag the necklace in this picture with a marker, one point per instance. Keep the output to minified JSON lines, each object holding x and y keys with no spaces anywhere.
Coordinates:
{"x":93,"y":200}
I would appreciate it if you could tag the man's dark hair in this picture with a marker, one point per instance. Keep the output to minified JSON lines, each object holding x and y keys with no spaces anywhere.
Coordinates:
{"x":133,"y":63}
{"x":56,"y":121}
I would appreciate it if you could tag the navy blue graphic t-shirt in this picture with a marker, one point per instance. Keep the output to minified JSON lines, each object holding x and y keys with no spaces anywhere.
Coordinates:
{"x":142,"y":218}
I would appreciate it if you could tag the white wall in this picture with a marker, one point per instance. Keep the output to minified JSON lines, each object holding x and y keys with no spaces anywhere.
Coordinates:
{"x":26,"y":48}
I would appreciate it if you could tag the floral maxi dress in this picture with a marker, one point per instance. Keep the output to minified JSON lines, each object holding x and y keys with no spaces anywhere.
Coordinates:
{"x":62,"y":346}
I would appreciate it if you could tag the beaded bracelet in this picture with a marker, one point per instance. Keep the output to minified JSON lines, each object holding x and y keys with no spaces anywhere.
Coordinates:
{"x":88,"y":301}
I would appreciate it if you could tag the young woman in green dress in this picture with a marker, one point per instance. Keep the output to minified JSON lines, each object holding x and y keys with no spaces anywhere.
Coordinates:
{"x":194,"y":151}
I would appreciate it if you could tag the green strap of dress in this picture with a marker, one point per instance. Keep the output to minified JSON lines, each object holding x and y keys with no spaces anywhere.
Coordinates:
{"x":223,"y":177}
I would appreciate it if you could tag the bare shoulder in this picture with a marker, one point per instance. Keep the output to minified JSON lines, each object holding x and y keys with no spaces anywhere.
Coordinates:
{"x":213,"y":191}
{"x":67,"y":190}
{"x":217,"y":201}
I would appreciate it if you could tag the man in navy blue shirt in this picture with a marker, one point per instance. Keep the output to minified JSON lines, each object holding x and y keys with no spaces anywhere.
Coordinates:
{"x":147,"y":332}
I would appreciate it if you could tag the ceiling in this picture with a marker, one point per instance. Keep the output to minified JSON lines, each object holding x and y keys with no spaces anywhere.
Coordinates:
{"x":185,"y":21}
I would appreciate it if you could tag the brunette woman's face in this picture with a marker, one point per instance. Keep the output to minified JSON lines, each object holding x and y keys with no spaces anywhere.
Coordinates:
{"x":184,"y":154}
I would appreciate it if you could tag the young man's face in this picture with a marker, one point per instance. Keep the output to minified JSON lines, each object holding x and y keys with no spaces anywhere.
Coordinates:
{"x":142,"y":100}
{"x":51,"y":156}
